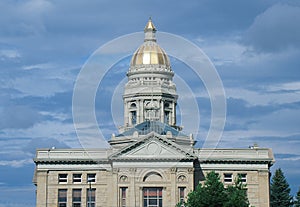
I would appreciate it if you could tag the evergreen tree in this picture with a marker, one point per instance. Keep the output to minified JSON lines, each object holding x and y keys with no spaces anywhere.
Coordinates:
{"x":297,"y":201}
{"x":280,"y":191}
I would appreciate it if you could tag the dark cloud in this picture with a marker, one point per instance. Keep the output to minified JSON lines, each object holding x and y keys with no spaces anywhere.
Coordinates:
{"x":292,"y":138}
{"x":16,"y":117}
{"x":285,"y":156}
{"x":38,"y":143}
{"x":241,"y":109}
{"x":262,"y":70}
{"x":275,"y":29}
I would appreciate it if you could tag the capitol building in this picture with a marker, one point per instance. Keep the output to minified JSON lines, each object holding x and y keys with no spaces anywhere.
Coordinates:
{"x":150,"y":162}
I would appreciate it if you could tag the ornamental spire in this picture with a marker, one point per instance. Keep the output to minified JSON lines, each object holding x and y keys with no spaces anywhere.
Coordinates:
{"x":150,"y":31}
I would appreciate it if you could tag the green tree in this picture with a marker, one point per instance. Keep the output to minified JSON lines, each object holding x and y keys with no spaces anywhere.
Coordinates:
{"x":280,"y":191}
{"x":211,"y":194}
{"x":237,"y":194}
{"x":297,"y":200}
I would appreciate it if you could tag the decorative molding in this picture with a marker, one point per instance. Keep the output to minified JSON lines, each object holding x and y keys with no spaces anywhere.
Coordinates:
{"x":115,"y":170}
{"x":132,"y":169}
{"x":123,"y":178}
{"x":173,"y":169}
{"x":181,"y":179}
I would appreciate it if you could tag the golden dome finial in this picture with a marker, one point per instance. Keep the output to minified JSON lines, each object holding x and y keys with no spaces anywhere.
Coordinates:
{"x":150,"y":31}
{"x":150,"y":26}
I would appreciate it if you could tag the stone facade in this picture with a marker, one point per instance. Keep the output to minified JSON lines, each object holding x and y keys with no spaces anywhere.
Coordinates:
{"x":151,"y":162}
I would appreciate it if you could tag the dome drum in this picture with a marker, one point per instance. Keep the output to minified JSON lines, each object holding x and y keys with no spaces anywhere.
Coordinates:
{"x":148,"y":70}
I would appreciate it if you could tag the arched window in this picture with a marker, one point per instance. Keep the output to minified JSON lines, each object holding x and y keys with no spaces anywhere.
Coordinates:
{"x":152,"y":176}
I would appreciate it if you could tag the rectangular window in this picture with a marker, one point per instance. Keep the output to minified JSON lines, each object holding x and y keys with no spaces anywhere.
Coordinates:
{"x":227,"y":177}
{"x":76,"y":178}
{"x":123,"y":197}
{"x":243,"y":177}
{"x":76,"y":198}
{"x":167,"y":117}
{"x":133,"y":117}
{"x":181,"y":194}
{"x":152,"y":197}
{"x":91,"y":177}
{"x":62,"y":178}
{"x":91,"y":197}
{"x":62,"y":198}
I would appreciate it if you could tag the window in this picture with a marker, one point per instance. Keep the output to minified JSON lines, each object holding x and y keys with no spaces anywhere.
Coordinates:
{"x":91,"y":197}
{"x":62,"y":197}
{"x":181,"y":194}
{"x":76,"y":178}
{"x":76,"y":198}
{"x":152,"y":197}
{"x":227,"y":177}
{"x":243,"y":177}
{"x":133,"y":117}
{"x":167,"y":117}
{"x":91,"y":177}
{"x":123,"y":197}
{"x":62,"y":178}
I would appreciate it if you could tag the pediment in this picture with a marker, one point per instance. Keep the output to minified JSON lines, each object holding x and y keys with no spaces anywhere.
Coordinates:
{"x":153,"y":146}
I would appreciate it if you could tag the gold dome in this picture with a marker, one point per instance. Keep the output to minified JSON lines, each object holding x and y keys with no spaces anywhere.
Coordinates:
{"x":150,"y":53}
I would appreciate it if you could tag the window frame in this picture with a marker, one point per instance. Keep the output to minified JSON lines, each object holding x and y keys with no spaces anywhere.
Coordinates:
{"x":63,"y":178}
{"x":62,"y":203}
{"x":92,"y":177}
{"x":148,"y":198}
{"x":243,"y":177}
{"x":181,"y":194}
{"x":91,"y":203}
{"x":123,"y":196}
{"x":76,"y":202}
{"x":77,"y":179}
{"x":228,"y":179}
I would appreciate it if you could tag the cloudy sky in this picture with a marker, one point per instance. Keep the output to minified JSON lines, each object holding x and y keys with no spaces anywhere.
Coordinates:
{"x":254,"y":45}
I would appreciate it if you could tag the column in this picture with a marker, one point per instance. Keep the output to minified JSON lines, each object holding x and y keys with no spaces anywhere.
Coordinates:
{"x":41,"y":189}
{"x":173,"y":118}
{"x":113,"y":189}
{"x":162,"y":111}
{"x":263,"y":187}
{"x":142,"y":111}
{"x":132,"y":188}
{"x":138,"y":112}
{"x":126,"y":120}
{"x":173,"y":186}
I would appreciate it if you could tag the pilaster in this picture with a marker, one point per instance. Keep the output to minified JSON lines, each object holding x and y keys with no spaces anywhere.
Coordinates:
{"x":42,"y":188}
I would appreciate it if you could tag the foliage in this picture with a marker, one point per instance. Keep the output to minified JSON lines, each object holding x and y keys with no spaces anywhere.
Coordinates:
{"x":297,"y":200}
{"x":280,"y":191}
{"x":213,"y":194}
{"x":237,"y":195}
